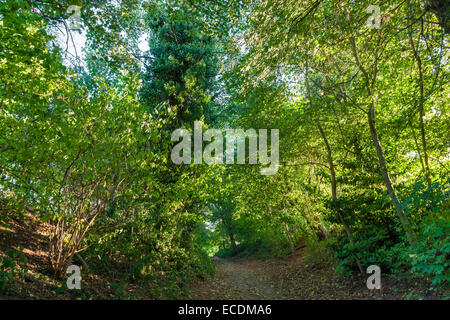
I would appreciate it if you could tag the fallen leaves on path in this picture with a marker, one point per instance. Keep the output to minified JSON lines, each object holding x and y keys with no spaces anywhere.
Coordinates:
{"x":291,"y":278}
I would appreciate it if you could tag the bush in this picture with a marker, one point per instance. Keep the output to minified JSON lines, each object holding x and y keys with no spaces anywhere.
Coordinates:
{"x":9,"y":267}
{"x":318,"y":255}
{"x":432,"y":257}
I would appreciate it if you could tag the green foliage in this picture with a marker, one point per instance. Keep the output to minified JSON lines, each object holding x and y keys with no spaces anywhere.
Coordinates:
{"x":318,"y":255}
{"x":428,"y":258}
{"x":431,"y":258}
{"x":374,"y":249}
{"x":85,"y":142}
{"x":179,"y":81}
{"x":9,"y":267}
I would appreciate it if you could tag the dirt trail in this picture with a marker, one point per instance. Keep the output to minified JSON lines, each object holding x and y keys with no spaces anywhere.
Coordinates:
{"x":250,"y":286}
{"x":293,"y":277}
{"x":235,"y":279}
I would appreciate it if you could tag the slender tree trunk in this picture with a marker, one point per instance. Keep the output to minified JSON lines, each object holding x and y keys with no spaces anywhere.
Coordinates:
{"x":417,"y":146}
{"x":288,"y":234}
{"x":334,"y":191}
{"x":421,"y":98}
{"x":233,"y":242}
{"x":370,"y":84}
{"x":323,"y":229}
{"x":230,"y":234}
{"x":387,"y":180}
{"x":332,"y":171}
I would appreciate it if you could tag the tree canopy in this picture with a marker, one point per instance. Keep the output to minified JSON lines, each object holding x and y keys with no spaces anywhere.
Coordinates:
{"x":358,"y":91}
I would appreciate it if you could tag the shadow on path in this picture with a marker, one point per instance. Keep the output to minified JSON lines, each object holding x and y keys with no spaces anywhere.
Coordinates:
{"x":249,"y":285}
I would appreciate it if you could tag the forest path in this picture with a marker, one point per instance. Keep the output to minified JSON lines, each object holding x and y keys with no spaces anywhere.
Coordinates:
{"x":235,"y":279}
{"x":294,"y":277}
{"x":249,"y":285}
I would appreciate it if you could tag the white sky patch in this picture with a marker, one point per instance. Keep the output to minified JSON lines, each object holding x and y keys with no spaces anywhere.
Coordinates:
{"x":412,"y":155}
{"x":79,"y":41}
{"x":210,"y":226}
{"x":143,"y":43}
{"x":71,"y":42}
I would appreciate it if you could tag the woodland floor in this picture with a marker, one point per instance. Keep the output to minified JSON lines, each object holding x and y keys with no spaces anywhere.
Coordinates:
{"x":292,"y":279}
{"x":235,"y":278}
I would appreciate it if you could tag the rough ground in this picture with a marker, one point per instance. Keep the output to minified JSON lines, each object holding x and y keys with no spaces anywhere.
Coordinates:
{"x":291,"y":278}
{"x":38,"y":282}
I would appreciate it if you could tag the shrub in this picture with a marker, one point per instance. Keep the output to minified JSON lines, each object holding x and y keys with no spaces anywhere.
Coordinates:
{"x":432,"y":257}
{"x":318,"y":255}
{"x":9,"y":267}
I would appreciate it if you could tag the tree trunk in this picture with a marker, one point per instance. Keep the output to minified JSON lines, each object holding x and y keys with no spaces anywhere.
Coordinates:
{"x":233,"y":242}
{"x":334,"y":192}
{"x":230,"y":234}
{"x":288,"y":234}
{"x":387,"y":180}
{"x":421,"y":102}
{"x":332,"y":171}
{"x":370,"y":84}
{"x":417,"y":147}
